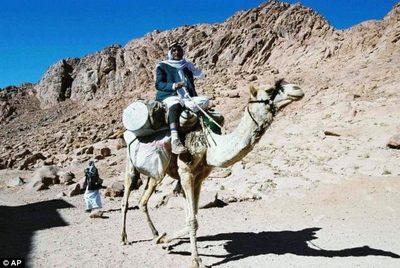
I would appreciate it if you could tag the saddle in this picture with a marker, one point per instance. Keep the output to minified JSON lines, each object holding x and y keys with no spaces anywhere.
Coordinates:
{"x":147,"y":117}
{"x":148,"y":137}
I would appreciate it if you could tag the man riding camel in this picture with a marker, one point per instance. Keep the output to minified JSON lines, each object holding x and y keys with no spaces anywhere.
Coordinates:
{"x":175,"y":87}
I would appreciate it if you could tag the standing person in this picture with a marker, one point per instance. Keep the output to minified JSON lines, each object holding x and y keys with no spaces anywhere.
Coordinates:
{"x":91,"y":186}
{"x":175,"y":87}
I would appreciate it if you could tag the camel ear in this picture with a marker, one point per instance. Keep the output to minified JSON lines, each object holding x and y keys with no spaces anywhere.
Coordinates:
{"x":253,"y":91}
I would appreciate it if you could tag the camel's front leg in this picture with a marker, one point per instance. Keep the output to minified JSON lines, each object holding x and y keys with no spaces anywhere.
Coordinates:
{"x":188,"y":186}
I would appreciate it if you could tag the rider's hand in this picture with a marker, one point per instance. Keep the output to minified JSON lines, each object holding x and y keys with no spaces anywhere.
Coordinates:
{"x":180,"y":85}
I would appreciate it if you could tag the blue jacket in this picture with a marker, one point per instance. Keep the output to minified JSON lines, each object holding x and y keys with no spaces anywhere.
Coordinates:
{"x":166,"y":76}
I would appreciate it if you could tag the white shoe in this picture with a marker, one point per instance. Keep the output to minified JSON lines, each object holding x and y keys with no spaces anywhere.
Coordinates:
{"x":178,"y":147}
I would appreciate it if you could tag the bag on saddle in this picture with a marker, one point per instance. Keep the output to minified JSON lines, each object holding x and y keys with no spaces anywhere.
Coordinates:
{"x":145,"y":117}
{"x":150,"y":155}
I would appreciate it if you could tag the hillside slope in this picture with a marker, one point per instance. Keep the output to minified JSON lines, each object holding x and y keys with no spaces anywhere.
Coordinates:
{"x":350,"y":80}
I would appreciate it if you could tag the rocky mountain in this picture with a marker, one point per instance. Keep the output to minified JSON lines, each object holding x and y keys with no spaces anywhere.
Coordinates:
{"x":350,"y":78}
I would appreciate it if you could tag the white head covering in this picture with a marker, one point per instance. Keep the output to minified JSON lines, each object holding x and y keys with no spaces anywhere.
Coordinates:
{"x":181,"y":64}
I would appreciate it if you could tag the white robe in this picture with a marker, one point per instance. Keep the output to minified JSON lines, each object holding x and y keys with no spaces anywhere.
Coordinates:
{"x":92,"y":199}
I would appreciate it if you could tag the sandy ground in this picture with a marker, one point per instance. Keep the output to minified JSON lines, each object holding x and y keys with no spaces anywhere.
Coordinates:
{"x":349,"y":223}
{"x":328,"y":184}
{"x":326,"y":201}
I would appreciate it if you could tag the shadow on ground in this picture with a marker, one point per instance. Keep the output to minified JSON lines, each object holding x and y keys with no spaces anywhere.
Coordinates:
{"x":18,"y":224}
{"x":243,"y":245}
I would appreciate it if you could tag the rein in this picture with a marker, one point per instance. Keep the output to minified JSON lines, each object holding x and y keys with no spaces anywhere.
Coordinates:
{"x":266,"y":102}
{"x":201,"y":109}
{"x":270,"y":101}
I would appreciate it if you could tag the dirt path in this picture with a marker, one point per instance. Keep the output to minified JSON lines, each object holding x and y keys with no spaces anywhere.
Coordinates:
{"x":352,"y":223}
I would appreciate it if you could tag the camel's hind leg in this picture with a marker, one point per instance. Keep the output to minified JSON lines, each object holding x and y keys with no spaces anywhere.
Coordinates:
{"x":131,"y":178}
{"x":166,"y":238}
{"x":151,"y":186}
{"x":190,"y":211}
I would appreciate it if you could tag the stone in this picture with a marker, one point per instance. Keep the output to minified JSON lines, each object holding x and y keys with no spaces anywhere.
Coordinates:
{"x":394,"y":142}
{"x":67,"y":178}
{"x":208,"y":199}
{"x":18,"y":181}
{"x":74,"y":189}
{"x":116,"y":190}
{"x":105,"y":151}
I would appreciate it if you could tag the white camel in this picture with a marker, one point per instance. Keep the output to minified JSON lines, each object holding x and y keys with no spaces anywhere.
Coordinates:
{"x":208,"y":150}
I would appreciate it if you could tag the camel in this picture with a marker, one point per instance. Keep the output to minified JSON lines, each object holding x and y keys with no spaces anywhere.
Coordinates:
{"x":208,"y":150}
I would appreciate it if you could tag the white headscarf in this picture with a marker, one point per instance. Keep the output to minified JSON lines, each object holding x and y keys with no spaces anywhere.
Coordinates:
{"x":181,"y":64}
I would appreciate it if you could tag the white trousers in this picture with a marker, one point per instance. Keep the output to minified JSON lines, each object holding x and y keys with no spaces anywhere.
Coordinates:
{"x":192,"y":103}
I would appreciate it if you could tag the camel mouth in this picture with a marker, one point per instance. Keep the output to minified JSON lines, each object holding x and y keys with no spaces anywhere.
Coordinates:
{"x":293,"y":91}
{"x":293,"y":94}
{"x":296,"y":95}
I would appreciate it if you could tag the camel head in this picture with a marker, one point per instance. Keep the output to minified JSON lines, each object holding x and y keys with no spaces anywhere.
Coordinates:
{"x":279,"y":95}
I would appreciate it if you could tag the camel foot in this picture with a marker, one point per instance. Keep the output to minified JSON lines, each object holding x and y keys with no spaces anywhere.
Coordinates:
{"x":124,"y":240}
{"x":167,"y":247}
{"x":161,"y":238}
{"x":197,"y":263}
{"x":155,"y":236}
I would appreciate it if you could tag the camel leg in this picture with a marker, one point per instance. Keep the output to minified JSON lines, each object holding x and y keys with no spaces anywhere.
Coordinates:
{"x":131,"y":179}
{"x":188,"y":183}
{"x":185,"y":231}
{"x":178,"y":188}
{"x":197,"y":186}
{"x":151,"y":186}
{"x":196,"y":198}
{"x":164,"y":238}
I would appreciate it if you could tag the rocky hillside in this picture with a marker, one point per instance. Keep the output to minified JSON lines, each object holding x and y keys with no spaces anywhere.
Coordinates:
{"x":350,"y":78}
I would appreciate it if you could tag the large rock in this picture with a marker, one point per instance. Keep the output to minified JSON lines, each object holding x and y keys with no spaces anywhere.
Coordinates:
{"x":74,"y":189}
{"x":55,"y":85}
{"x":44,"y":177}
{"x":6,"y":110}
{"x":115,"y":190}
{"x":394,"y":142}
{"x":67,"y":178}
{"x":18,"y":181}
{"x":31,"y":159}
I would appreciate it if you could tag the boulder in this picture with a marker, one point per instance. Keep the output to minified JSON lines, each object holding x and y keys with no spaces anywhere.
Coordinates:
{"x":394,"y":142}
{"x":115,"y":190}
{"x":74,"y":189}
{"x":67,"y":178}
{"x":18,"y":181}
{"x":47,"y":175}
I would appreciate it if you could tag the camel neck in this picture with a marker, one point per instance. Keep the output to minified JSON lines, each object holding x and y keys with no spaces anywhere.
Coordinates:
{"x":226,"y":150}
